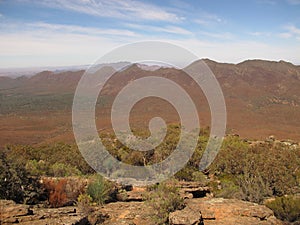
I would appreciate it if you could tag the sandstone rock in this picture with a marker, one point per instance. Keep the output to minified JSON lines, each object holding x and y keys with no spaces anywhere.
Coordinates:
{"x":97,"y":218}
{"x":10,"y":211}
{"x":191,"y":185}
{"x":207,"y":211}
{"x":187,"y":216}
{"x":130,"y":196}
{"x":137,"y":213}
{"x":217,"y":211}
{"x":208,"y":214}
{"x":192,"y":190}
{"x":135,"y":194}
{"x":186,"y":195}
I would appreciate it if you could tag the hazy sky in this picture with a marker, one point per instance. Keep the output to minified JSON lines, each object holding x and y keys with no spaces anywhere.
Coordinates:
{"x":72,"y":32}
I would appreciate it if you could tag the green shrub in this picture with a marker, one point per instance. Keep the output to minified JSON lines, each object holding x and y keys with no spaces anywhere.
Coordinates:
{"x":99,"y":189}
{"x":286,"y":208}
{"x":39,"y":168}
{"x":48,"y":159}
{"x":185,"y":173}
{"x":36,"y":168}
{"x":84,"y":199}
{"x":12,"y":178}
{"x":227,"y":188}
{"x":200,"y":177}
{"x":62,"y":170}
{"x":84,"y":202}
{"x":189,"y":173}
{"x":164,"y":199}
{"x":259,"y":171}
{"x":254,"y":187}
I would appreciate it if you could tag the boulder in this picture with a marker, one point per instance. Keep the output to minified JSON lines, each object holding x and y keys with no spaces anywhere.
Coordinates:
{"x":187,"y":216}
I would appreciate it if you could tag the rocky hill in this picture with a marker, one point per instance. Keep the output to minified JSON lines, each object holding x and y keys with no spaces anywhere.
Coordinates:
{"x":262,"y":98}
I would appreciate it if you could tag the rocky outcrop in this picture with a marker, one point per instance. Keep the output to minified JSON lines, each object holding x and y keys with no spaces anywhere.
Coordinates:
{"x":127,"y":213}
{"x":187,"y":190}
{"x":193,"y":190}
{"x":217,"y":211}
{"x":198,"y":211}
{"x":12,"y":213}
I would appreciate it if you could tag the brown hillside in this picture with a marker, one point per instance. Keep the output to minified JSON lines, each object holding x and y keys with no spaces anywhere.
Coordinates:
{"x":262,"y":98}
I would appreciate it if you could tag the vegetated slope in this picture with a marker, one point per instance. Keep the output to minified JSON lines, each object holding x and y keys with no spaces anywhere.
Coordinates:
{"x":262,"y":98}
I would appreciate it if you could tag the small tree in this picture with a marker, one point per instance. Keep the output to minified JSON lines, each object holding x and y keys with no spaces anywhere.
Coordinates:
{"x":15,"y":184}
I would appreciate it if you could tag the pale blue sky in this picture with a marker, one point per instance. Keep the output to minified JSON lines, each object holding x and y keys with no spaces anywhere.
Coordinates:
{"x":74,"y":32}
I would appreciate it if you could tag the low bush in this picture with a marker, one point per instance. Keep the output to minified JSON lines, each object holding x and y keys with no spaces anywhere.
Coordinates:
{"x":36,"y":168}
{"x":164,"y":199}
{"x":226,"y":187}
{"x":50,"y":160}
{"x":286,"y":208}
{"x":185,"y":173}
{"x":63,"y":170}
{"x":84,"y":202}
{"x":99,"y":189}
{"x":57,"y":194}
{"x":256,"y":172}
{"x":189,"y":173}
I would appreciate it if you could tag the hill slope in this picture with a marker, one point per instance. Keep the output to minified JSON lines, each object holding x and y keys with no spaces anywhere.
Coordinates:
{"x":262,"y":98}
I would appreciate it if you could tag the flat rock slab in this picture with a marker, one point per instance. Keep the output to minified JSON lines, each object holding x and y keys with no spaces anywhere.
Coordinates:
{"x":215,"y":211}
{"x":129,"y":213}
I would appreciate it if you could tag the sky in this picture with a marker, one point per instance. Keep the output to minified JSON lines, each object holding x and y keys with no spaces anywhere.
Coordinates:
{"x":36,"y":33}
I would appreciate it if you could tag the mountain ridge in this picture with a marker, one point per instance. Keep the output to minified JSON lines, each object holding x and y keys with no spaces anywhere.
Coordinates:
{"x":262,"y":98}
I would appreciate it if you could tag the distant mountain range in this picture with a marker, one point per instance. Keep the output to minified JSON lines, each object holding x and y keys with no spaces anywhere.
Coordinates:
{"x":31,"y":71}
{"x":262,"y":97}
